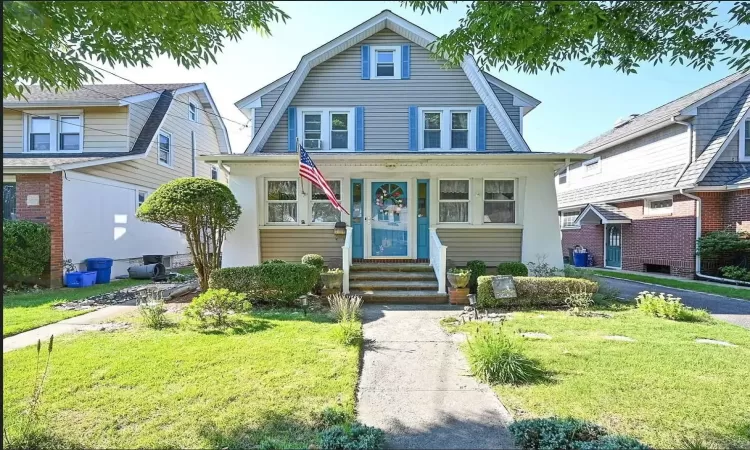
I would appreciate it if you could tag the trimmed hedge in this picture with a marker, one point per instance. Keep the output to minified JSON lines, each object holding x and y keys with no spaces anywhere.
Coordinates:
{"x":26,"y":250}
{"x":313,"y":260}
{"x":274,"y":283}
{"x":478,"y":269}
{"x":516,"y":269}
{"x":534,"y":291}
{"x":568,"y":434}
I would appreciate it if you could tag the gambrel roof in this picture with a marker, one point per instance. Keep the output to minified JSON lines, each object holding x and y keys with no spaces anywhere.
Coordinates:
{"x":408,"y":30}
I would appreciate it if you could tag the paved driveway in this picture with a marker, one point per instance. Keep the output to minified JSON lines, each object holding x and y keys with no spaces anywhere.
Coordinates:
{"x":724,"y":308}
{"x":415,"y":384}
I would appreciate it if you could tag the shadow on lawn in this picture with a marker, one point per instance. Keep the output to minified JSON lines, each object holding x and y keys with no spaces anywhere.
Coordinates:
{"x":240,"y":326}
{"x":274,"y":431}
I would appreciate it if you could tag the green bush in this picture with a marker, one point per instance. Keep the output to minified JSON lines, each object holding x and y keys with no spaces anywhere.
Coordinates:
{"x":578,"y":272}
{"x":274,"y":261}
{"x":719,"y":244}
{"x":153,"y":312}
{"x":26,"y":250}
{"x":348,"y":332}
{"x":735,"y":273}
{"x":494,"y":359}
{"x":534,"y":291}
{"x":554,"y":433}
{"x":516,"y":269}
{"x":478,"y":269}
{"x":611,"y":443}
{"x":214,"y":307}
{"x":669,"y":307}
{"x":273,"y":283}
{"x":351,"y":437}
{"x":331,"y":416}
{"x":314,"y":260}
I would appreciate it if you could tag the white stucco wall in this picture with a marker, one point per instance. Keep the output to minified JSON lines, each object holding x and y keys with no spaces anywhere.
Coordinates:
{"x":99,"y":221}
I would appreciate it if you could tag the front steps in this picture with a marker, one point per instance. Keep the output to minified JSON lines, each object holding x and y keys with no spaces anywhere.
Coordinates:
{"x":395,"y":283}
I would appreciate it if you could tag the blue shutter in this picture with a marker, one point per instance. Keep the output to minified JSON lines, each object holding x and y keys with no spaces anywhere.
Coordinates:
{"x":291,"y":114}
{"x":359,"y":128}
{"x":481,"y":128}
{"x":405,"y":62}
{"x":365,"y":62}
{"x":413,"y":128}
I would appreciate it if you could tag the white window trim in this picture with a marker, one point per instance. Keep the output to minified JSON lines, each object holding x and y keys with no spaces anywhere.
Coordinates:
{"x":191,"y":103}
{"x":468,"y":200}
{"x":215,"y":170}
{"x":741,"y":150}
{"x":565,"y":170}
{"x":396,"y":49}
{"x":325,"y":127}
{"x":55,"y":126}
{"x":585,"y":164}
{"x":169,"y":164}
{"x":515,"y":200}
{"x":569,"y":227}
{"x":266,"y":201}
{"x":312,"y":202}
{"x":445,"y":128}
{"x":137,"y":192}
{"x":649,"y":211}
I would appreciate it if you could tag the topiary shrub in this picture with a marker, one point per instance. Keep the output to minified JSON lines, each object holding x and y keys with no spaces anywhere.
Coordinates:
{"x":478,"y":269}
{"x":201,"y":209}
{"x":314,"y":260}
{"x":273,"y":283}
{"x":351,"y":437}
{"x":554,"y":433}
{"x":26,"y":250}
{"x":274,"y":261}
{"x":515,"y":268}
{"x":534,"y":291}
{"x":214,"y":307}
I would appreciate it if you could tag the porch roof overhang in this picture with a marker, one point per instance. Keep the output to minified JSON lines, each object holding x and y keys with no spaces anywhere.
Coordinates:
{"x":601,"y":213}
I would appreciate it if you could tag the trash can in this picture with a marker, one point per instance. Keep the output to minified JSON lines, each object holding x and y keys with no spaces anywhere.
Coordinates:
{"x":102,"y":267}
{"x":79,"y":279}
{"x":580,"y":259}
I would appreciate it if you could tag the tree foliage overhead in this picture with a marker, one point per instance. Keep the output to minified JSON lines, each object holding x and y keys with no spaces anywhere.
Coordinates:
{"x":45,"y":42}
{"x":533,"y":36}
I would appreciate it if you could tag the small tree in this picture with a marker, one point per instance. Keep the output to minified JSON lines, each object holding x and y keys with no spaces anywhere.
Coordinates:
{"x":203,"y":210}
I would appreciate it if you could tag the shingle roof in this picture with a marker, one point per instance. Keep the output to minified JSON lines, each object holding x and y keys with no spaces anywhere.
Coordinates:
{"x":657,"y":115}
{"x":44,"y":161}
{"x":105,"y":93}
{"x":723,"y":173}
{"x":609,"y":212}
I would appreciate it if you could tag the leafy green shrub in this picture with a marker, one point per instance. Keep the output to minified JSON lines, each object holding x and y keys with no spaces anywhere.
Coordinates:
{"x":214,"y":307}
{"x":273,"y":283}
{"x":313,"y":260}
{"x":723,"y":243}
{"x":351,"y":437}
{"x":669,"y":307}
{"x":611,"y":443}
{"x":578,"y":272}
{"x":579,"y":301}
{"x":542,"y":268}
{"x":26,"y":250}
{"x":478,"y":269}
{"x":274,"y":261}
{"x":348,"y":332}
{"x":494,"y":359}
{"x":735,"y":273}
{"x":534,"y":291}
{"x":331,"y":416}
{"x":153,"y":312}
{"x":345,"y":307}
{"x":516,"y":269}
{"x":553,"y":433}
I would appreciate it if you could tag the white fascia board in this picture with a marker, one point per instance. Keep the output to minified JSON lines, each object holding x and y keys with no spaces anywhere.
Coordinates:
{"x":99,"y":162}
{"x":215,"y":118}
{"x":139,"y":98}
{"x":692,"y":110}
{"x":36,"y":169}
{"x":249,"y":100}
{"x":192,"y":88}
{"x":61,"y":104}
{"x":356,"y":158}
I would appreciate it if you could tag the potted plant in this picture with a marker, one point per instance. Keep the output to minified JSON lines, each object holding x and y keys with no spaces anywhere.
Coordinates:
{"x":459,"y":280}
{"x":332,"y":279}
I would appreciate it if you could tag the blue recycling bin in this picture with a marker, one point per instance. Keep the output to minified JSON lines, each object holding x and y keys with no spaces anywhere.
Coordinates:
{"x":102,"y":267}
{"x":580,"y":259}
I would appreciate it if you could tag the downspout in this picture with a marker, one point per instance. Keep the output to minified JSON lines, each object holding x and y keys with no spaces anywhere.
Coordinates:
{"x":689,"y":126}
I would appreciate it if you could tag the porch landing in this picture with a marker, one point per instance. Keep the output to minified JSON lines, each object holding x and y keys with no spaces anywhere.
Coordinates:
{"x":404,"y":283}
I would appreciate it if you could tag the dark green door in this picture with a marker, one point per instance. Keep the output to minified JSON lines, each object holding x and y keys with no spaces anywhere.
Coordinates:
{"x":613,"y":245}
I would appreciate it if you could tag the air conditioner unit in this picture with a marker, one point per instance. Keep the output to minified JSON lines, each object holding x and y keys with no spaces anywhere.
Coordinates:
{"x":313,"y":144}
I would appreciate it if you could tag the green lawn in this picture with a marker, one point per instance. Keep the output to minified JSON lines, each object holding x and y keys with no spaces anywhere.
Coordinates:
{"x":183,"y":388}
{"x":659,"y":389}
{"x":718,"y":289}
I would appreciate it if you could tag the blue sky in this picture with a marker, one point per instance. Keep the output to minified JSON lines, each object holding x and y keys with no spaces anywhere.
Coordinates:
{"x":577,"y":104}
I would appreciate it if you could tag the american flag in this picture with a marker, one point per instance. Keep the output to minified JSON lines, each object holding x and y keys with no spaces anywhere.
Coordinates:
{"x":309,"y":171}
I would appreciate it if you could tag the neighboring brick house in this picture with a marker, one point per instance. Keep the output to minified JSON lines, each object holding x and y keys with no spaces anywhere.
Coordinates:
{"x":661,"y":179}
{"x":82,"y":162}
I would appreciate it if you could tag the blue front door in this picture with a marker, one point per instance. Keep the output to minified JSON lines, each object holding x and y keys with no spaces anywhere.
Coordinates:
{"x":613,"y":250}
{"x":423,"y":219}
{"x":390,"y":220}
{"x":357,"y":216}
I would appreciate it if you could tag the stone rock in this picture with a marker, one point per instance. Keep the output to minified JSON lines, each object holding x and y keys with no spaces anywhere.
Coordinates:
{"x":619,"y":338}
{"x":715,"y":342}
{"x":535,"y":335}
{"x":503,"y":287}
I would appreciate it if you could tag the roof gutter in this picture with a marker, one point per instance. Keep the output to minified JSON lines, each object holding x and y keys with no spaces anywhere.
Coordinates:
{"x":689,"y":126}
{"x":250,"y":158}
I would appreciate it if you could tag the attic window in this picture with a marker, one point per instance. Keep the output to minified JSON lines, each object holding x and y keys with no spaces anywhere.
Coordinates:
{"x":385,"y":62}
{"x":192,"y":112}
{"x":385,"y":66}
{"x":562,"y":176}
{"x":592,"y":166}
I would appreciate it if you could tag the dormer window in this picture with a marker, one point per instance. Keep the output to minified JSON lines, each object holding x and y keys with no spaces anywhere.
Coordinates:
{"x":54,"y":133}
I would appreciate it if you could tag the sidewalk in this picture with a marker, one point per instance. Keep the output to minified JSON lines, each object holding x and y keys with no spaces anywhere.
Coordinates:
{"x":65,"y":326}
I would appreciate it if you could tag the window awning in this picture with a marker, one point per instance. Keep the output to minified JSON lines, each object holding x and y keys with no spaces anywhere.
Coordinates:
{"x":601,"y":213}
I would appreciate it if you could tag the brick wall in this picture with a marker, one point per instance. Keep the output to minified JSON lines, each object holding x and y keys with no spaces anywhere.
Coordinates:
{"x":589,"y":236}
{"x":39,"y":199}
{"x":737,"y":210}
{"x":713,"y":205}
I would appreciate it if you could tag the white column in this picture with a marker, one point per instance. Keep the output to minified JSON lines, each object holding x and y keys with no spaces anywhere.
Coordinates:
{"x":242,"y":246}
{"x":541,"y":229}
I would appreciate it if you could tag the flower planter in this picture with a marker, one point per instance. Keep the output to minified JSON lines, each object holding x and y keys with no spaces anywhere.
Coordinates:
{"x":458,"y":296}
{"x":459,"y":280}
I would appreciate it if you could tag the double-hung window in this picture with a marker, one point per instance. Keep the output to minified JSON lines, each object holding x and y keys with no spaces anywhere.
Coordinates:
{"x":326,"y":128}
{"x":339,"y":130}
{"x":192,"y":112}
{"x":54,"y":132}
{"x":312,"y":126}
{"x":40,"y":134}
{"x":70,"y":133}
{"x":323,"y":210}
{"x":568,"y":218}
{"x":165,"y":149}
{"x":460,"y":130}
{"x":432,"y":131}
{"x":281,"y":198}
{"x":453,"y":201}
{"x":384,"y":63}
{"x":745,"y":141}
{"x":214,"y":173}
{"x":141,"y":197}
{"x":499,"y":201}
{"x":444,"y":128}
{"x":562,"y":176}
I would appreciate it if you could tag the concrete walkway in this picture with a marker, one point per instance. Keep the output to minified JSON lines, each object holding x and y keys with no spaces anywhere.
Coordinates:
{"x":724,"y":308}
{"x":66,"y":326}
{"x":415,"y":384}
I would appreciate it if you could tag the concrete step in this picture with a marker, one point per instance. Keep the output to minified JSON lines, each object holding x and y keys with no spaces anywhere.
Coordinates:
{"x":392,"y":276}
{"x":407,"y":297}
{"x":391,"y":267}
{"x":394,"y":285}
